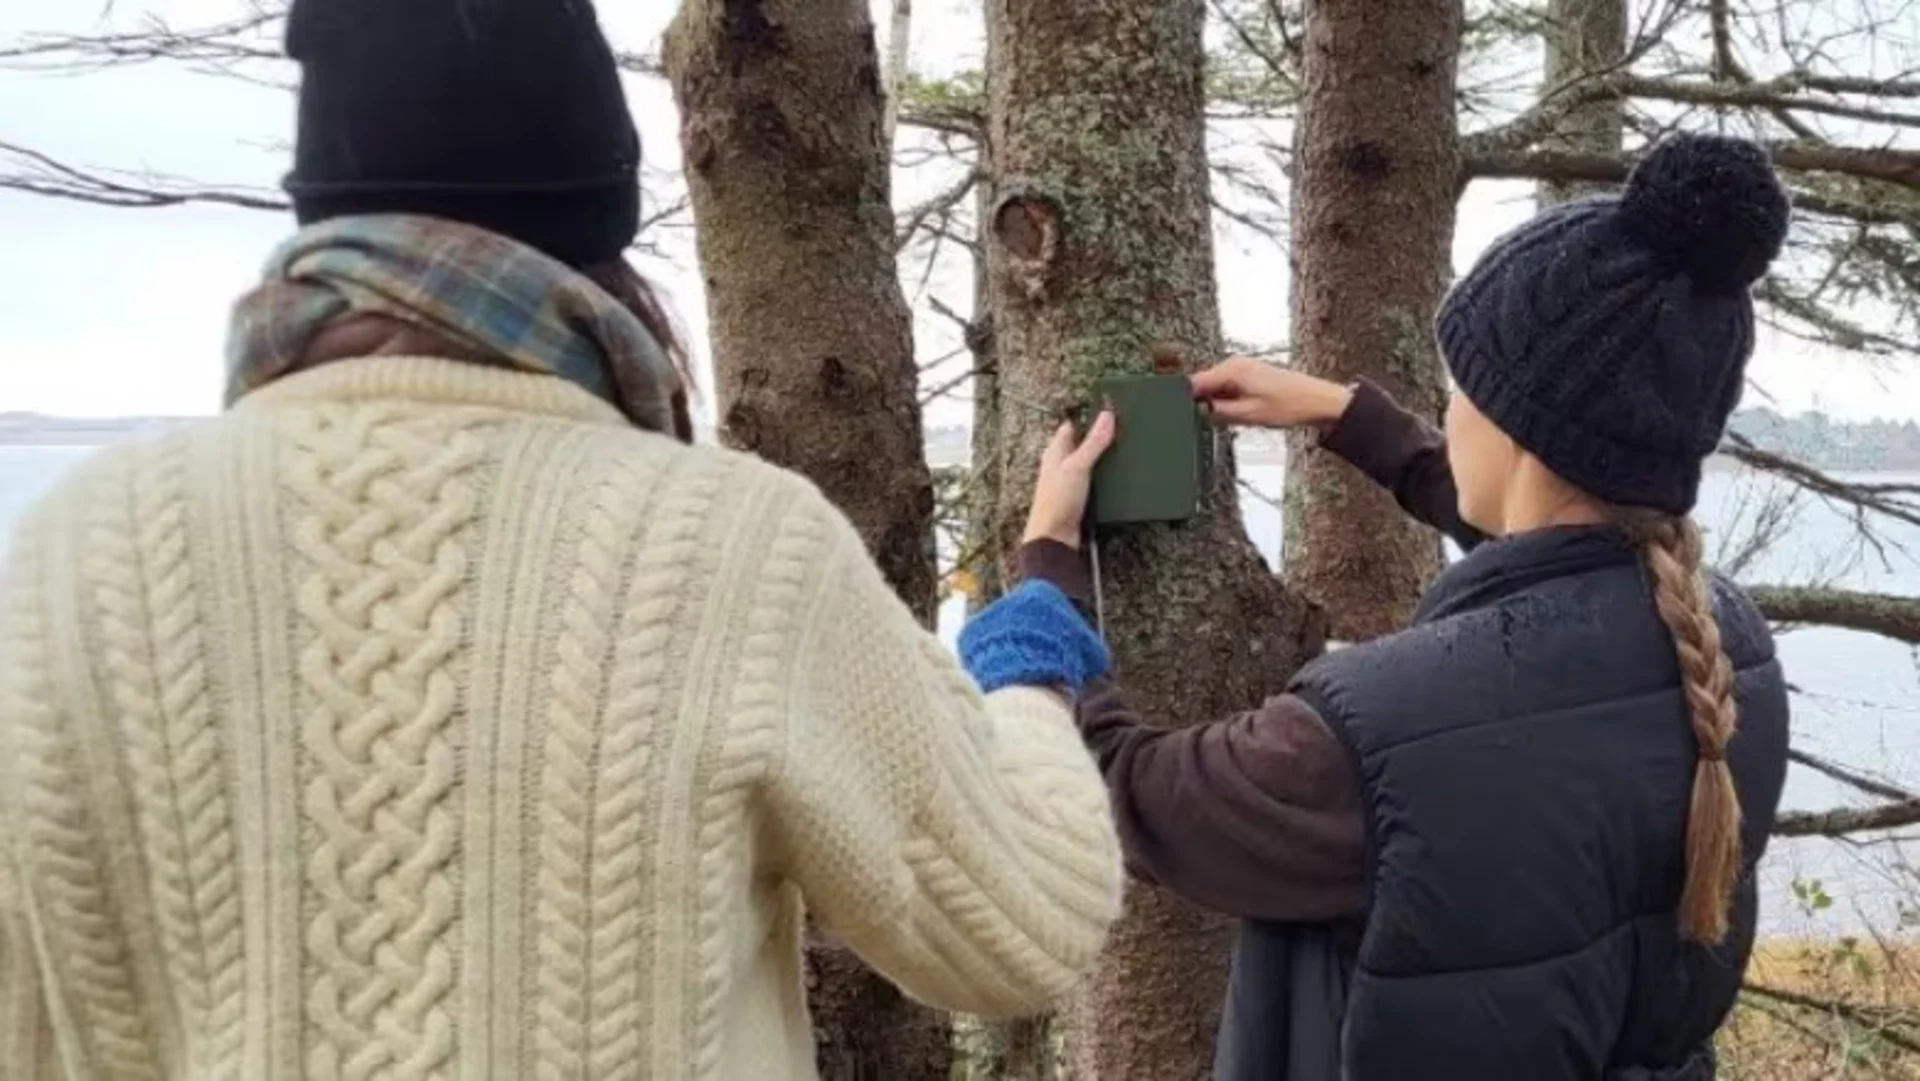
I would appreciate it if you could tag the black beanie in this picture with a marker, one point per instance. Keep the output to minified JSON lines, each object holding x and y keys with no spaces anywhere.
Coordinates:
{"x":505,"y":114}
{"x":1610,"y":336}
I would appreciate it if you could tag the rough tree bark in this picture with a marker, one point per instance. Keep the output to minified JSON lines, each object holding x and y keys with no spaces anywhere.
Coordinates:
{"x":1897,"y":618}
{"x":781,"y":124}
{"x":1373,"y":232}
{"x":1100,"y":248}
{"x":1585,"y":39}
{"x":1020,"y":1049}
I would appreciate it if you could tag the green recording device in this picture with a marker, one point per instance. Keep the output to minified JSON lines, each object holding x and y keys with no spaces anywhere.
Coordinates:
{"x":1160,"y":463}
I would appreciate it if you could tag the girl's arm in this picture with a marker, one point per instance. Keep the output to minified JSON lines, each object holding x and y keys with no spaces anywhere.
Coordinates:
{"x":1257,"y":815}
{"x":1403,"y":454}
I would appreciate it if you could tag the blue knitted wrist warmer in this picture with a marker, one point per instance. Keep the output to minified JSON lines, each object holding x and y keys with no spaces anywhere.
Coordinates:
{"x":1033,"y":637}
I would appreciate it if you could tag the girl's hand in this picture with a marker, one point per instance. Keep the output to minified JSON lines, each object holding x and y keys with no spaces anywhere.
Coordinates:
{"x":1066,"y":475}
{"x":1253,"y":393}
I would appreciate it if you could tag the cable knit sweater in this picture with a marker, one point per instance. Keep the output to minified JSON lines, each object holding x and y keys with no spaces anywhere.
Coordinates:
{"x":422,"y":720}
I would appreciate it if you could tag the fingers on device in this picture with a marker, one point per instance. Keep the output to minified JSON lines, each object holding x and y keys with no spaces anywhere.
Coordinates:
{"x":1158,"y":466}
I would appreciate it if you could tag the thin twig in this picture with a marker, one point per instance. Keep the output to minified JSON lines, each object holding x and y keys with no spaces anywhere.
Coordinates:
{"x":1844,"y":775}
{"x":43,"y":174}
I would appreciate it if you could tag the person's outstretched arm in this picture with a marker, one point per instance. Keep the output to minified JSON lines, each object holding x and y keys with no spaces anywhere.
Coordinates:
{"x":1403,"y":454}
{"x":1256,"y":815}
{"x":1362,"y":424}
{"x":958,"y":841}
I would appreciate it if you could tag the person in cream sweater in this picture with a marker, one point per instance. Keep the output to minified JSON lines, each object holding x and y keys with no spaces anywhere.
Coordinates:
{"x":439,"y":711}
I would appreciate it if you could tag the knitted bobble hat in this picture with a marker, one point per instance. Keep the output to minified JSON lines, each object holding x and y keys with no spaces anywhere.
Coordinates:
{"x":505,"y":114}
{"x":1610,"y":336}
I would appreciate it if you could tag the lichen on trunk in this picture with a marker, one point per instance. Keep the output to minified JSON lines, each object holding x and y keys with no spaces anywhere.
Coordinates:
{"x":1373,"y":233}
{"x":781,"y":125}
{"x":1100,"y":249}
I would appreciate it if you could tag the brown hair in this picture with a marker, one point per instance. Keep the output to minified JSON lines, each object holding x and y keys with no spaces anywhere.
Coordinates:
{"x":638,"y":296}
{"x":1672,"y":550}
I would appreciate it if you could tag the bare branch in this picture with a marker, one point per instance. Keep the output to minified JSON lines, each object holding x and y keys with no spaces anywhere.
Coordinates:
{"x":1772,"y":94}
{"x":1720,"y":23}
{"x":36,"y":173}
{"x":941,"y":203}
{"x":1891,"y":165}
{"x":1836,"y":84}
{"x":1897,"y":501}
{"x":1844,"y":775}
{"x":640,"y":63}
{"x":948,"y":386}
{"x":1842,"y":821}
{"x":1881,"y":1021}
{"x":899,"y":43}
{"x":1897,"y":618}
{"x":217,"y":47}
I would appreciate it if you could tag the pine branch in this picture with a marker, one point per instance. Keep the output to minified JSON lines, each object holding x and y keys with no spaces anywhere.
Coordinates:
{"x":1825,"y":326}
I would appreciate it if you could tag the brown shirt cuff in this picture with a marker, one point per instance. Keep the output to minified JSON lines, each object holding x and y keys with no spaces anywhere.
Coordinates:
{"x":1059,"y":564}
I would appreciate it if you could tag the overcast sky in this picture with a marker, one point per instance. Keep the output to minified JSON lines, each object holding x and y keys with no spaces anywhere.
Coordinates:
{"x":106,"y":311}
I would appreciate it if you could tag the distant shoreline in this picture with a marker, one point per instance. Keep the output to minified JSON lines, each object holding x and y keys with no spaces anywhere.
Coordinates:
{"x":948,"y":452}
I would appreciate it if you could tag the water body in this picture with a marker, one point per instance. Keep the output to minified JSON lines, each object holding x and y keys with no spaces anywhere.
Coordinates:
{"x":1858,"y":699}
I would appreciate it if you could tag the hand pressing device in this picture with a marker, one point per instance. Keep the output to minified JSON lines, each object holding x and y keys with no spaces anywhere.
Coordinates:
{"x":1158,"y":466}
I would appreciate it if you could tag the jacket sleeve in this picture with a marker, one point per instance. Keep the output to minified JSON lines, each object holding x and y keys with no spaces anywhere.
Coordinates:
{"x":959,"y":842}
{"x":1406,"y":456}
{"x":1257,"y":815}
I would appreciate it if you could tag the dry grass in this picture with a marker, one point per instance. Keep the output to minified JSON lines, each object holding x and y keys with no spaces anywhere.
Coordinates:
{"x":1847,"y":1009}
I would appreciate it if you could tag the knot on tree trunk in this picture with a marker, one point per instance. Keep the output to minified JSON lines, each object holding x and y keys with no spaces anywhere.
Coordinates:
{"x":1027,"y":226}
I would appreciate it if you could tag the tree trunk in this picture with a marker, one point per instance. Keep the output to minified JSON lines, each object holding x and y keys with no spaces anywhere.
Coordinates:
{"x":1100,"y":248}
{"x":781,"y":125}
{"x":1585,"y":38}
{"x":1373,"y":212}
{"x":1020,"y":1049}
{"x":985,"y":562}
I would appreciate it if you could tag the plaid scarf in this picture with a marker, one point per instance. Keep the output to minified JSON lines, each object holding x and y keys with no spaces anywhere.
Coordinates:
{"x":517,"y":307}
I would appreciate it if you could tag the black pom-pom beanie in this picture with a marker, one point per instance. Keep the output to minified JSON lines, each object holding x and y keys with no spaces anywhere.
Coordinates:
{"x":1610,"y":337}
{"x":505,"y":114}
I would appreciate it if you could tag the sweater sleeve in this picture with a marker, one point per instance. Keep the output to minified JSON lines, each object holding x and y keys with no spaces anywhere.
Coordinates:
{"x":1406,"y":456}
{"x":1257,"y":815}
{"x":959,"y":842}
{"x":26,"y":1034}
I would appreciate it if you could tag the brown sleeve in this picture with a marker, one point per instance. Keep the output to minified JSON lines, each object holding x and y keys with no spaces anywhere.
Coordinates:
{"x":1255,"y":816}
{"x":1065,"y":567}
{"x":1403,"y":454}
